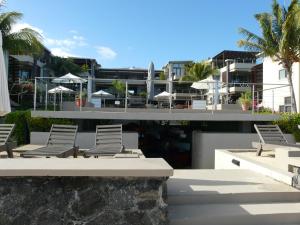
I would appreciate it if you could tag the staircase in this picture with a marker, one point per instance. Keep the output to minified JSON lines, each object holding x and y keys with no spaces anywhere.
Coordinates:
{"x":230,"y":197}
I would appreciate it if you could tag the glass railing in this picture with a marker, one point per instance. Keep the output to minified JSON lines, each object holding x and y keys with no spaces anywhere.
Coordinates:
{"x":136,"y":95}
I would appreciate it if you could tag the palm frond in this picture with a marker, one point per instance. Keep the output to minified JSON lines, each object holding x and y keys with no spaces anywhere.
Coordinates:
{"x":7,"y":20}
{"x":25,"y":41}
{"x":198,"y":71}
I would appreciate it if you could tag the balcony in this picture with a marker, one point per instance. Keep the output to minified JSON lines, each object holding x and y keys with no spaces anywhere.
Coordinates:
{"x":239,"y":65}
{"x":184,"y":103}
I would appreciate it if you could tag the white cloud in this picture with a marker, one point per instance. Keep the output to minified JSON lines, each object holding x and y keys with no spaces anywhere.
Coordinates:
{"x":19,"y":26}
{"x":67,"y":43}
{"x":62,"y":53}
{"x":106,"y":53}
{"x":73,"y":42}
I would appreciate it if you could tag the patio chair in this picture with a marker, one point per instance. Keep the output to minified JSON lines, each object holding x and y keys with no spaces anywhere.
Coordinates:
{"x":270,"y":137}
{"x":61,"y":143}
{"x":5,"y":133}
{"x":108,"y":141}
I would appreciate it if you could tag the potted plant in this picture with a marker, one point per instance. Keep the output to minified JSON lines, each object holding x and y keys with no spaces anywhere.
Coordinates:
{"x":81,"y":97}
{"x":245,"y":100}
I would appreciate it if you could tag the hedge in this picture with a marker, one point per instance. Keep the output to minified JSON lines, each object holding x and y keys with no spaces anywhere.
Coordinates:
{"x":26,"y":124}
{"x":288,"y":123}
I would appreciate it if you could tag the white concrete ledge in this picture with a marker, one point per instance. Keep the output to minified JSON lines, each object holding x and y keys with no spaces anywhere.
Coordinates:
{"x":224,"y":160}
{"x":90,"y":167}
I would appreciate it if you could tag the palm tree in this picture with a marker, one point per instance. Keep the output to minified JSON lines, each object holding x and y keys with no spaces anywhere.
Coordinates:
{"x":280,"y":38}
{"x":197,"y":71}
{"x":119,"y":87}
{"x":25,"y":41}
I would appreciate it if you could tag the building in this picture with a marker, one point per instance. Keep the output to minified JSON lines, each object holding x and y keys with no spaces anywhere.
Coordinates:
{"x":276,"y":95}
{"x":174,"y":70}
{"x":25,"y":67}
{"x":135,"y":77}
{"x":90,"y":67}
{"x":236,"y":73}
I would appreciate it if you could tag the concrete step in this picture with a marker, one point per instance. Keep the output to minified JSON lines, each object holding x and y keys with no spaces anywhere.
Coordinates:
{"x":235,"y":214}
{"x":226,"y":186}
{"x":234,"y":198}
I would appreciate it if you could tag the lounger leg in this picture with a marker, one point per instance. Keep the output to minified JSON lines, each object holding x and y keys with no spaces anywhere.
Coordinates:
{"x":76,"y":149}
{"x":9,"y":152}
{"x":259,"y":151}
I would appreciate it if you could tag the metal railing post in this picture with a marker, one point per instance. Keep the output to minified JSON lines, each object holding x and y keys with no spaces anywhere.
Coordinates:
{"x":54,"y":102}
{"x":253,"y":98}
{"x":257,"y":99}
{"x":170,"y":97}
{"x":35,"y":89}
{"x":46,"y":97}
{"x":126,"y":95}
{"x":80,"y":97}
{"x":273,"y":101}
{"x":213,"y":98}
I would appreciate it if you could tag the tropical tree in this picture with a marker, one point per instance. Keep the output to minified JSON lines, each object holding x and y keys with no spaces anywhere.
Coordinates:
{"x":24,"y":41}
{"x":61,"y":66}
{"x":162,"y":75}
{"x":197,"y":71}
{"x":280,"y":39}
{"x":119,"y":87}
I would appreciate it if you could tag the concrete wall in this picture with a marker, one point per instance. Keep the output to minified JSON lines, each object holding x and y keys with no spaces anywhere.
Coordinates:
{"x":204,"y":145}
{"x":271,"y":76}
{"x":86,"y":140}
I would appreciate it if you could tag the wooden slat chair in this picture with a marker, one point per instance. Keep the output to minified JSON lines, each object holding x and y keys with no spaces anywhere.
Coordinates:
{"x":5,"y":133}
{"x":270,"y":137}
{"x":108,"y":141}
{"x":60,"y":143}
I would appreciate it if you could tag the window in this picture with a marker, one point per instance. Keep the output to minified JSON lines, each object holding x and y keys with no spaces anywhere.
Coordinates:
{"x":282,"y":74}
{"x":281,"y":108}
{"x":177,"y":70}
{"x":287,"y":100}
{"x":288,"y":108}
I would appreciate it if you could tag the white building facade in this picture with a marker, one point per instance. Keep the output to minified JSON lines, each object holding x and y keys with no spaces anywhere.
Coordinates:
{"x":276,"y":90}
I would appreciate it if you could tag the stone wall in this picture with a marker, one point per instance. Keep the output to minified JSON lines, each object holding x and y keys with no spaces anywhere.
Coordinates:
{"x":82,"y":201}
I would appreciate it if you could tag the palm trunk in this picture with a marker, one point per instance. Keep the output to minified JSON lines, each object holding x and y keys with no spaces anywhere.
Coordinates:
{"x":292,"y":92}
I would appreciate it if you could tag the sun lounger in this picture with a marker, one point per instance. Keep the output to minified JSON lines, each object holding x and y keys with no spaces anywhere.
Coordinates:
{"x":108,"y":141}
{"x":61,"y":143}
{"x":5,"y":133}
{"x":270,"y":137}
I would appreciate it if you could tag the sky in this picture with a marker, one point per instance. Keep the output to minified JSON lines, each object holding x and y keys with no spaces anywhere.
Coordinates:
{"x":132,"y":33}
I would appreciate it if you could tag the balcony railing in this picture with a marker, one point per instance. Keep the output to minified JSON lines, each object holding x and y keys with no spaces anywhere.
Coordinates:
{"x":215,"y":96}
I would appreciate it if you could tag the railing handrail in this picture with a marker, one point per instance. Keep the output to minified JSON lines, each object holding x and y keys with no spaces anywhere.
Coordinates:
{"x":174,"y":81}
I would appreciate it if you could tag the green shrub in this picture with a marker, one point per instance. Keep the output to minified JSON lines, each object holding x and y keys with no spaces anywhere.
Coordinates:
{"x":288,"y":123}
{"x":264,"y":110}
{"x":26,"y":124}
{"x":39,"y":124}
{"x":21,"y":132}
